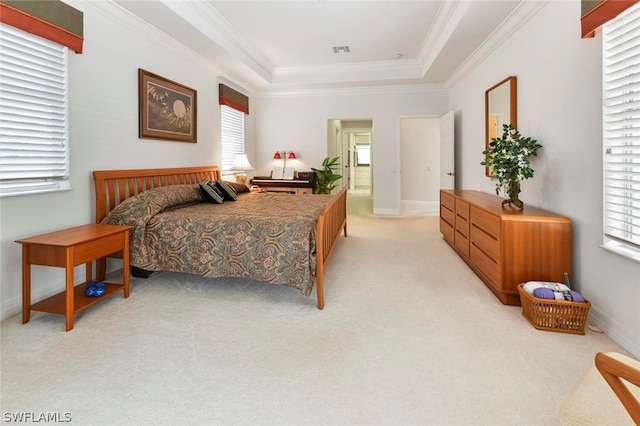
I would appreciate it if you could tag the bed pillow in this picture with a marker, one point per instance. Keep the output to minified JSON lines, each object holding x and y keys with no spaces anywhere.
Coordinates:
{"x":137,"y":210}
{"x":227,"y":190}
{"x":211,"y":192}
{"x":238,"y":187}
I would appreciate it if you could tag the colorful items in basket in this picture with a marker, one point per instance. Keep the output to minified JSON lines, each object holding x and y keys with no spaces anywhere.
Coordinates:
{"x":552,"y":291}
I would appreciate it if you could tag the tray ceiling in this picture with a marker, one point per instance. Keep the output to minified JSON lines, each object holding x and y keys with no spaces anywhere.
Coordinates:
{"x":288,"y":45}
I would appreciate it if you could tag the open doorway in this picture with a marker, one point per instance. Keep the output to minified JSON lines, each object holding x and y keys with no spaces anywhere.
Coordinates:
{"x":359,"y":151}
{"x":352,"y":141}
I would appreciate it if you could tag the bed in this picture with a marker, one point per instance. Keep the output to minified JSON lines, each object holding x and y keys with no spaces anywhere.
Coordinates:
{"x":269,"y":237}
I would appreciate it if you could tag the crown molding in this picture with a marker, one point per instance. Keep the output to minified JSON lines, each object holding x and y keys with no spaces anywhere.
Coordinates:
{"x":109,"y":9}
{"x":351,"y":72}
{"x":202,"y":16}
{"x":447,"y":20}
{"x":525,"y":11}
{"x":117,"y":14}
{"x":364,"y":90}
{"x":307,"y":80}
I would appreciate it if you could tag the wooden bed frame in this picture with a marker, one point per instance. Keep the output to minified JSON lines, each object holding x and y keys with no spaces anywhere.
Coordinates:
{"x":112,"y":187}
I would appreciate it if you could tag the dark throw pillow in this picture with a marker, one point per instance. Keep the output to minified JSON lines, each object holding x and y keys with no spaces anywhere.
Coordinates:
{"x":238,"y":187}
{"x":211,"y":192}
{"x":228,"y":192}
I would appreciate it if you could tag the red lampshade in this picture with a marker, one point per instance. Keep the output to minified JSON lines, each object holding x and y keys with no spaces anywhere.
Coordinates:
{"x":292,"y":155}
{"x":277,"y":156}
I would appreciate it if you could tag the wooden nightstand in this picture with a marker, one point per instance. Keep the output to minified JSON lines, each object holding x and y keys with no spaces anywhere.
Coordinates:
{"x":66,"y":249}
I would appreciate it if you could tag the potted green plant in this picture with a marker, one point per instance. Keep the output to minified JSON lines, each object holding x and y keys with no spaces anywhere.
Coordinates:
{"x":325,"y":181}
{"x":508,"y":160}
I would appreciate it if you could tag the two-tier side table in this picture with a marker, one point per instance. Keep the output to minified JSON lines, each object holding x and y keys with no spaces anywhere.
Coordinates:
{"x":67,"y":249}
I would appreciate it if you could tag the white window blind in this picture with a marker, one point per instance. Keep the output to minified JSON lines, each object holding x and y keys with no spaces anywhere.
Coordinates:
{"x":34,"y":152}
{"x":621,"y":127}
{"x":232,"y":123}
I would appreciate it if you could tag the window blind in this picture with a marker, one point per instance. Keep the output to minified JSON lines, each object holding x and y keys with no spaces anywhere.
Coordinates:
{"x":33,"y":113}
{"x":621,"y":128}
{"x":232,"y":124}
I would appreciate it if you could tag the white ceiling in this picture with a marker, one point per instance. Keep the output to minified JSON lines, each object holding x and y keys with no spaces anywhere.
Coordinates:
{"x":288,"y":45}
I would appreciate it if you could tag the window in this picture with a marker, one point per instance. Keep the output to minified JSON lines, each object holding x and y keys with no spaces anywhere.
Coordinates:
{"x":34,"y":148}
{"x":621,"y":128}
{"x":232,"y":123}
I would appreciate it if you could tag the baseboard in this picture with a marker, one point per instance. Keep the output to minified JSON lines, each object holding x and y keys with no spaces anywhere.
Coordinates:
{"x":619,"y":334}
{"x":386,"y":212}
{"x":420,"y":208}
{"x":412,"y":208}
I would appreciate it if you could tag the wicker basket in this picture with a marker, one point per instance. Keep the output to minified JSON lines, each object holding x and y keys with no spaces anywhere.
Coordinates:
{"x":554,"y":315}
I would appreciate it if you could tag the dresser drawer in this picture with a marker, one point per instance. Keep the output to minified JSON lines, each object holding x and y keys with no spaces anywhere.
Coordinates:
{"x":447,"y":230}
{"x":462,"y":225}
{"x":447,"y":215}
{"x":486,"y":222}
{"x":462,"y":217}
{"x":462,"y":209}
{"x":448,"y":201}
{"x":487,"y":265}
{"x":462,"y":242}
{"x":487,"y":244}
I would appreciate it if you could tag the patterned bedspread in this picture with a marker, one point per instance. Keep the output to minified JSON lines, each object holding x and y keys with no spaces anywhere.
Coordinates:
{"x":268,"y":237}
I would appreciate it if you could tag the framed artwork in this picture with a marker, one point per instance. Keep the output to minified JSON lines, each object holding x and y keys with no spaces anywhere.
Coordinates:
{"x":167,"y":110}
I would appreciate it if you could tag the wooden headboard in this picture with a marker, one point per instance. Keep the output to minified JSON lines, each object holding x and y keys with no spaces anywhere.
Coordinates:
{"x":114,"y":186}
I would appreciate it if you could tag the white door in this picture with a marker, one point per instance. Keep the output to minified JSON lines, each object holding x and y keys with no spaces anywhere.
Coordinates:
{"x":447,"y":152}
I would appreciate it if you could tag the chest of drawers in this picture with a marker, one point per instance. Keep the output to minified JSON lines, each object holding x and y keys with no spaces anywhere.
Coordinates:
{"x":504,"y":246}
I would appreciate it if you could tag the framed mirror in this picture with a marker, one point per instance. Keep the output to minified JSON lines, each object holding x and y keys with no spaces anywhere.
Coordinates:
{"x":500,"y":108}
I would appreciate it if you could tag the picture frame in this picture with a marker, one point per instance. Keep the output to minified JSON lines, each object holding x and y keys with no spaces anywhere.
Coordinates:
{"x":167,"y":110}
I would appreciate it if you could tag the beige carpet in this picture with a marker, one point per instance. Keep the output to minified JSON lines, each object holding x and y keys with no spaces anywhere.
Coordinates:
{"x":409,"y":336}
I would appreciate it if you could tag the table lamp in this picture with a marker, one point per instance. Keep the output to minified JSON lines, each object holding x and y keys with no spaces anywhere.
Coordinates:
{"x":240,"y":165}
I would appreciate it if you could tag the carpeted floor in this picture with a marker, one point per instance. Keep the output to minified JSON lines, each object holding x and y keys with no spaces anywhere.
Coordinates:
{"x":408,"y":336}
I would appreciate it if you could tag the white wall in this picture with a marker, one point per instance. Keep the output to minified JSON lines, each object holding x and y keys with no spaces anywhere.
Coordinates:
{"x":420,"y":159}
{"x":103,"y":99}
{"x":560,"y":105}
{"x":300,"y":122}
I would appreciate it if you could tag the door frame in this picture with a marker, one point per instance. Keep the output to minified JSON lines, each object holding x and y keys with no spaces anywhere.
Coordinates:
{"x":342,"y":149}
{"x":351,"y":153}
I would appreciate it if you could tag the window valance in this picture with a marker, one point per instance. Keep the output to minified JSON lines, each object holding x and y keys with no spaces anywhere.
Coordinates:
{"x":232,"y":98}
{"x":597,"y":12}
{"x":49,"y":19}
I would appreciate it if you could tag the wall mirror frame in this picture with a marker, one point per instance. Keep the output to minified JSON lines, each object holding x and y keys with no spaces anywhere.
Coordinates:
{"x":500,"y":108}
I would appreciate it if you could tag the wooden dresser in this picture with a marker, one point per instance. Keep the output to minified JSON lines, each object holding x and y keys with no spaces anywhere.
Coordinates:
{"x":505,"y":246}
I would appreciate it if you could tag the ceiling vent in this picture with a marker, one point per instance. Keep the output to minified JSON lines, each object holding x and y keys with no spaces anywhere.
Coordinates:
{"x":340,"y":49}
